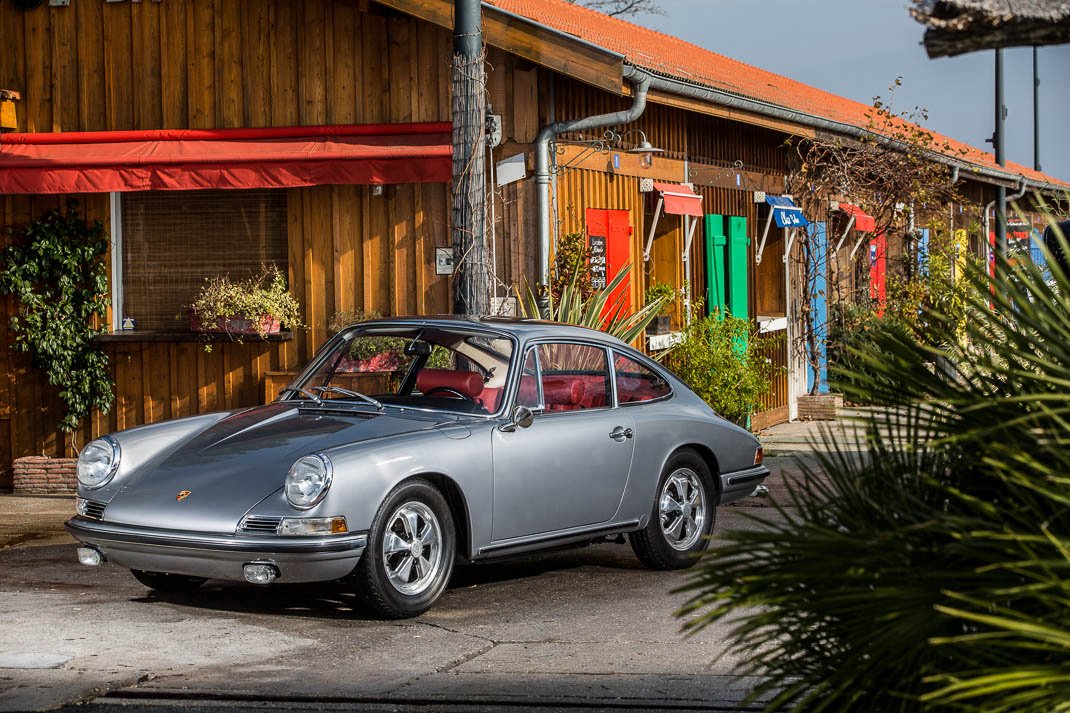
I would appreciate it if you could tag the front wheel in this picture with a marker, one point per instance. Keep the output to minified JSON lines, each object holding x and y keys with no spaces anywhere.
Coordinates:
{"x":163,"y":582}
{"x":682,"y":516}
{"x":409,"y":557}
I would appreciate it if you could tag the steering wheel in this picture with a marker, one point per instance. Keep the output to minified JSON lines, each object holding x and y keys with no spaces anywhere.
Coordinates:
{"x":453,"y":392}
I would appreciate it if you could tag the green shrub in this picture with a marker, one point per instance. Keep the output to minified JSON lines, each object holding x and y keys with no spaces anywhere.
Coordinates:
{"x":722,"y":360}
{"x":571,"y":268}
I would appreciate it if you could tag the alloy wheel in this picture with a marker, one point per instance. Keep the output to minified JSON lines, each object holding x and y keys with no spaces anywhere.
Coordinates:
{"x":682,"y":509}
{"x":412,"y":548}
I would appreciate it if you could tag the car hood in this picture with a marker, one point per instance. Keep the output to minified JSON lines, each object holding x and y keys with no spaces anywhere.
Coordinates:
{"x":235,"y":463}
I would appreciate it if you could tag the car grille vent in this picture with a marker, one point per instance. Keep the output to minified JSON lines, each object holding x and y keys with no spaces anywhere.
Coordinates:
{"x":94,"y":509}
{"x":263,"y":525}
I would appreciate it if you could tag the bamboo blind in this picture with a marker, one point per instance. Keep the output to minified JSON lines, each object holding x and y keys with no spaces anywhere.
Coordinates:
{"x":174,"y":240}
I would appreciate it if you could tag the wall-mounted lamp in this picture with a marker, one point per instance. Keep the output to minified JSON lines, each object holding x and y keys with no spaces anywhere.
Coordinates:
{"x":644,"y":148}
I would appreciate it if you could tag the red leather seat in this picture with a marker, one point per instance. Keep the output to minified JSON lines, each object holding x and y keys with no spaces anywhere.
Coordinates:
{"x":468,"y":383}
{"x":562,"y":394}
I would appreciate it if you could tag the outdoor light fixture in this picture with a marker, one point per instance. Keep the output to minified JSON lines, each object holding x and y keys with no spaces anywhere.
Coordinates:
{"x":644,"y":148}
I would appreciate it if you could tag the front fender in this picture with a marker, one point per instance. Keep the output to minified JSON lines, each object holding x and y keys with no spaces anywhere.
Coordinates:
{"x":365,"y":473}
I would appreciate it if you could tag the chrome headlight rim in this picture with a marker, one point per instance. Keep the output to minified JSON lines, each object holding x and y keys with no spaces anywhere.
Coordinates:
{"x":328,"y":479}
{"x":113,"y":466}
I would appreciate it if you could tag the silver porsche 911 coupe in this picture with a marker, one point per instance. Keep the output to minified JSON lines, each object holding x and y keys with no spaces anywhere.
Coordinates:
{"x":406,"y":444}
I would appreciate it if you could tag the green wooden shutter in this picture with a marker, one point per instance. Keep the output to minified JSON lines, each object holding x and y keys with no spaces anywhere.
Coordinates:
{"x":715,"y":273}
{"x":738,"y":266}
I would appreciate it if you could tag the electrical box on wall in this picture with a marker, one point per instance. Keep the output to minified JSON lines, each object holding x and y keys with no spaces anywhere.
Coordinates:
{"x":8,"y":117}
{"x":759,"y":196}
{"x":646,"y":185}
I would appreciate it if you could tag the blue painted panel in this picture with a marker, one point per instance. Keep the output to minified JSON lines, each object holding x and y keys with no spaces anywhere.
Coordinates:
{"x":819,"y":237}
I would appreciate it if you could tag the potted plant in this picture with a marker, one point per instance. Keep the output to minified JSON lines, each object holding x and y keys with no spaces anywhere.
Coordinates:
{"x":259,"y":305}
{"x":660,"y":292}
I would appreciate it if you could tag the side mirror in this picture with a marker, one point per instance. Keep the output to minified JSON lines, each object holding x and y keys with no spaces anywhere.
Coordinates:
{"x":522,"y":417}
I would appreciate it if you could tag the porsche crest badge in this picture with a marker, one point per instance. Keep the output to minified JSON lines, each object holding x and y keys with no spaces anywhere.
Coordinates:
{"x":182,"y":495}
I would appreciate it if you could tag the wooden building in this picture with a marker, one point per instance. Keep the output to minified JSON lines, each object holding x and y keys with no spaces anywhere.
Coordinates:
{"x":355,"y":79}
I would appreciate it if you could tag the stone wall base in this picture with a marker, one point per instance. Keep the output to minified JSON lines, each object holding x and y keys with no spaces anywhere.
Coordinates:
{"x":820,"y":407}
{"x":42,"y":475}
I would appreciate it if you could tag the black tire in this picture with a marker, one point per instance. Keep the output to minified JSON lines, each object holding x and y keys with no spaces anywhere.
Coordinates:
{"x":652,"y":544}
{"x":385,"y":594}
{"x":163,"y":582}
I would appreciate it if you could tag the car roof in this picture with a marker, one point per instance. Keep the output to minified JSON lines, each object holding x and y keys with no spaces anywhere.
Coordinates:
{"x":523,"y":329}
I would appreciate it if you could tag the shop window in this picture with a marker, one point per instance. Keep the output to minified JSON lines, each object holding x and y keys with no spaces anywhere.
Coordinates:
{"x":172,"y":241}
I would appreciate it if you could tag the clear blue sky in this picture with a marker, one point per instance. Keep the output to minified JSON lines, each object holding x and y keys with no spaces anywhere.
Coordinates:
{"x":857,"y":48}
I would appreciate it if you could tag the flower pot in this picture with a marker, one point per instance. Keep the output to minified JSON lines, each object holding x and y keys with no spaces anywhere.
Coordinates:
{"x":236,"y":324}
{"x":660,"y":325}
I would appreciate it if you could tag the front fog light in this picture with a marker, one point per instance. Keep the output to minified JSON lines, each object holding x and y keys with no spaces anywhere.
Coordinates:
{"x":259,"y":573}
{"x":313,"y":526}
{"x":89,"y":557}
{"x":81,"y":505}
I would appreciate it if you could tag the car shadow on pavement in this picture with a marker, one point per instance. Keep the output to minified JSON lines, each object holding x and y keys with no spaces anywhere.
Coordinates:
{"x":342,"y":600}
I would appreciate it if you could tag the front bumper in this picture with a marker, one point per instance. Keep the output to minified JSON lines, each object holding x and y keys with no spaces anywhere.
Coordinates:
{"x":220,"y":556}
{"x":741,"y":483}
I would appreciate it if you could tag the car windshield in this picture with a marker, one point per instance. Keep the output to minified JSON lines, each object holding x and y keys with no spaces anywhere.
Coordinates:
{"x":437,"y":368}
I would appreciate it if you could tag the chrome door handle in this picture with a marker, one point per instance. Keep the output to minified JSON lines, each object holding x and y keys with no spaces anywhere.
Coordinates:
{"x":620,"y":433}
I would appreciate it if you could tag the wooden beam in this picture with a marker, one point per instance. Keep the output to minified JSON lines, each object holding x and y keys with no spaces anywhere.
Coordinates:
{"x":530,"y":41}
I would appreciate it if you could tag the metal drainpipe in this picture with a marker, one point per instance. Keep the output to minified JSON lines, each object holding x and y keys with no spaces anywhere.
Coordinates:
{"x":640,"y":81}
{"x":1022,"y":188}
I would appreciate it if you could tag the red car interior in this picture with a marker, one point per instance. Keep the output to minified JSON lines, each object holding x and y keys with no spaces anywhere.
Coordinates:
{"x":561,"y":392}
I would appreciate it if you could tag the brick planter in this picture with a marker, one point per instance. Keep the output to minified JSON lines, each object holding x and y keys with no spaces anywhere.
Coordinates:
{"x":42,"y":475}
{"x":822,"y":407}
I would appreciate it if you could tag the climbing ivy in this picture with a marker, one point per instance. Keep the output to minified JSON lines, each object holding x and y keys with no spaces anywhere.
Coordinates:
{"x":55,"y":269}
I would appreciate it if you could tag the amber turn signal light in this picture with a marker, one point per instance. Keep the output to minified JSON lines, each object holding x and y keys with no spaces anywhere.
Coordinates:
{"x":758,"y":455}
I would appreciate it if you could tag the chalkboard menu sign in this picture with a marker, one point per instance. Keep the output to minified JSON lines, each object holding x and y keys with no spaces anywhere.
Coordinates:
{"x":598,"y":261}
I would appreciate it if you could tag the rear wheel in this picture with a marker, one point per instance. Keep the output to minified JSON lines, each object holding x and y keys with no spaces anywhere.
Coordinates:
{"x":163,"y":582}
{"x":410,"y":552}
{"x":682,"y":517}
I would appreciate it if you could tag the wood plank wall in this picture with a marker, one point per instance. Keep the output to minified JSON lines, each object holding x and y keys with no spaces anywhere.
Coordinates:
{"x":215,"y":63}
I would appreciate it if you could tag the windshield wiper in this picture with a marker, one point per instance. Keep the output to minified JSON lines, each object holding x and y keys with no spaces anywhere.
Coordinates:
{"x":309,"y":394}
{"x":353,"y":394}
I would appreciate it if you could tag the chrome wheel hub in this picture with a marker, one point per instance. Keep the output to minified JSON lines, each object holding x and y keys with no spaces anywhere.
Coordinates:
{"x":412,"y":548}
{"x":682,"y":509}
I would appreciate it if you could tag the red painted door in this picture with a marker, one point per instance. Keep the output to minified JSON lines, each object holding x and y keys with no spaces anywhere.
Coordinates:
{"x":878,"y":270}
{"x":609,"y":235}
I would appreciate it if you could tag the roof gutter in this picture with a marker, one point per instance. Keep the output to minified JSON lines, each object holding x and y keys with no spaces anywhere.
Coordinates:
{"x":755,"y":106}
{"x":641,"y":82}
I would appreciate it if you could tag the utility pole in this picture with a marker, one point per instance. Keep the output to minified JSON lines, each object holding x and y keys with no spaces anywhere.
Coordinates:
{"x":471,"y":285}
{"x":1001,"y":158}
{"x":1036,"y":111}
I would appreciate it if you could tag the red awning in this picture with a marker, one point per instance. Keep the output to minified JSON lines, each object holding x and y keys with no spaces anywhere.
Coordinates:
{"x":680,"y":199}
{"x":864,"y":222}
{"x":185,"y":159}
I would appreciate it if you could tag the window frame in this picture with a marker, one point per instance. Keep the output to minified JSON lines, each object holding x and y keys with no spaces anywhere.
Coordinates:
{"x":534,"y":344}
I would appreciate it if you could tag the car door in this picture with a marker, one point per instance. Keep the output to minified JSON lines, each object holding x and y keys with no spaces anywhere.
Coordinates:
{"x":570,"y":467}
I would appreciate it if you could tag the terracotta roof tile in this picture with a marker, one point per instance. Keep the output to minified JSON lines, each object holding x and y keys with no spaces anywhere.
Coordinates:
{"x":674,"y":57}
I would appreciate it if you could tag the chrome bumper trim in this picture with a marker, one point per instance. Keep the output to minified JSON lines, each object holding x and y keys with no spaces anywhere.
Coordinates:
{"x":740,"y":483}
{"x":93,"y":531}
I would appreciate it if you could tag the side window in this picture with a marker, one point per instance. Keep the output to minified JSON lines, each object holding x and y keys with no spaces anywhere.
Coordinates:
{"x":529,"y":384}
{"x":636,"y":383}
{"x":574,"y":377}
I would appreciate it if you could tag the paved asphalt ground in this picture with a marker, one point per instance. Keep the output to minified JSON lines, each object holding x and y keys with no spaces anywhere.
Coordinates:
{"x":583,"y":629}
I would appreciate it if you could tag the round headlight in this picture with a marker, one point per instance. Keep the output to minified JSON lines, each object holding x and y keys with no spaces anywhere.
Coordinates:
{"x":308,"y":481}
{"x":98,"y":462}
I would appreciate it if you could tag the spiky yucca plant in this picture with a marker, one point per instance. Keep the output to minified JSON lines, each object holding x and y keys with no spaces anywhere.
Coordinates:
{"x":601,"y":310}
{"x":926,"y":565}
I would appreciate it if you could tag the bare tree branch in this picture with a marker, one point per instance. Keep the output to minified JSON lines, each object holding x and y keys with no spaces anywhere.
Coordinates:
{"x":622,"y":8}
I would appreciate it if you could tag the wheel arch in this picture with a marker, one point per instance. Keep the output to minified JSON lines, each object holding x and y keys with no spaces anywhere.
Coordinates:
{"x":708,"y":457}
{"x":458,"y":504}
